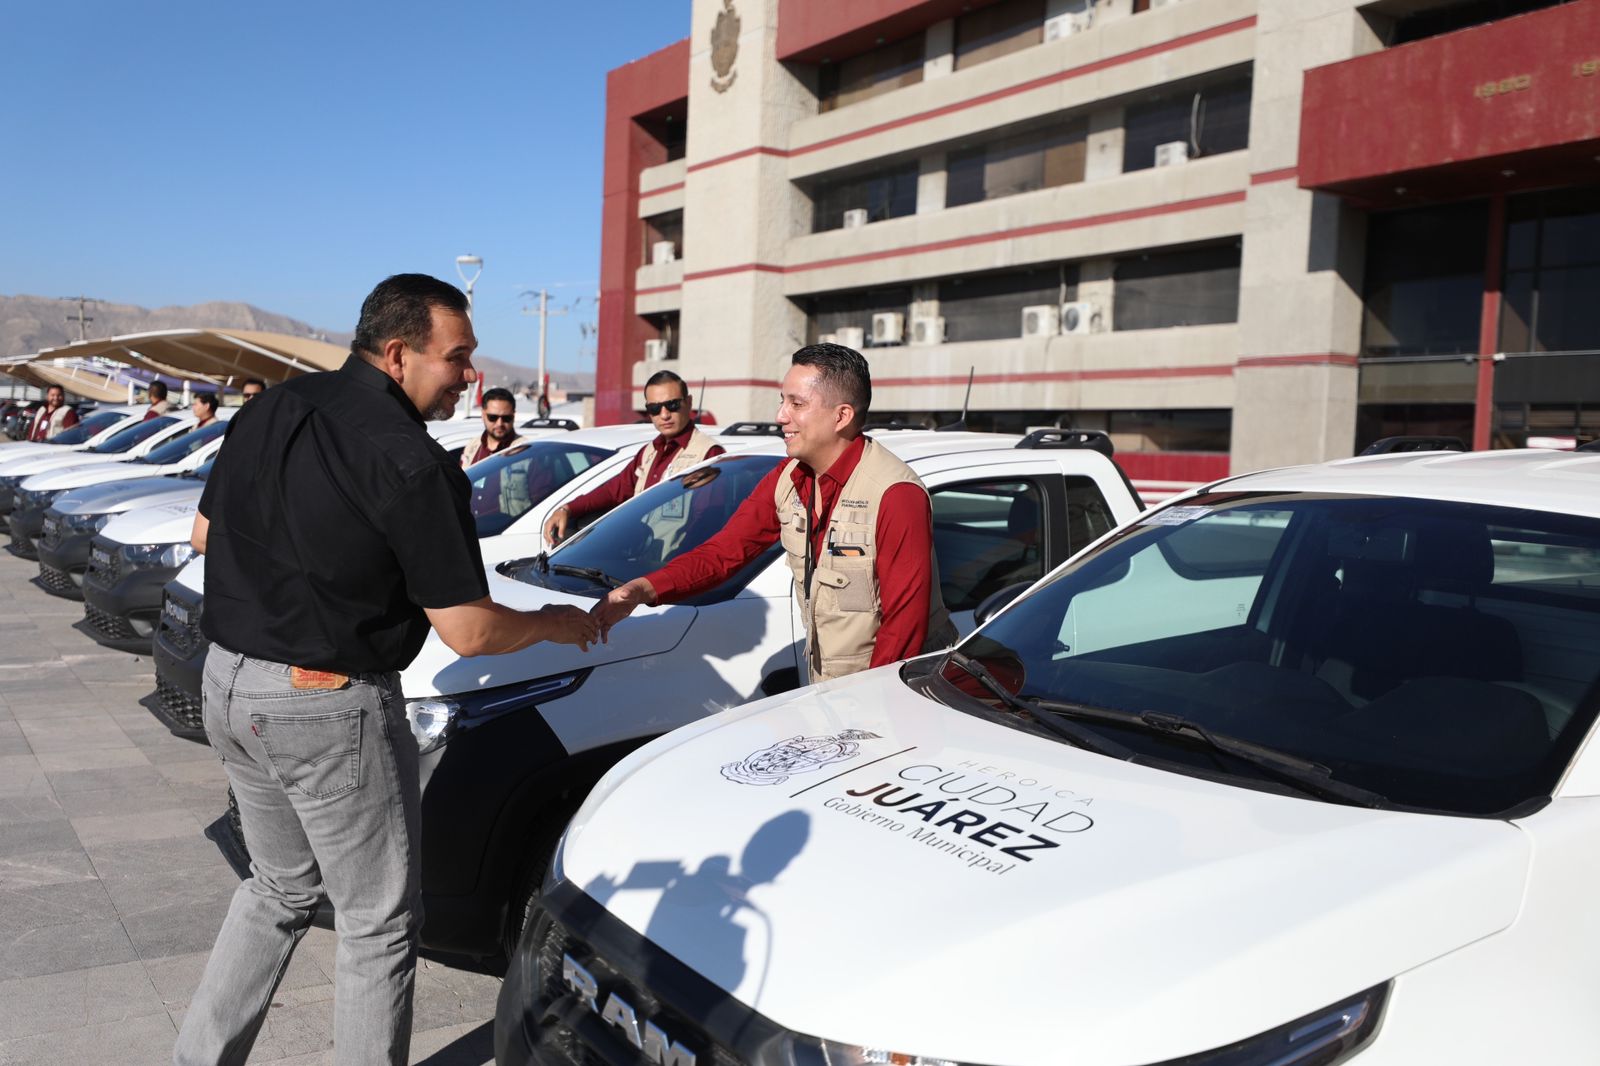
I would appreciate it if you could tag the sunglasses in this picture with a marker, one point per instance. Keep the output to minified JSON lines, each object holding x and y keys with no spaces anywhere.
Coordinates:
{"x":653,"y":409}
{"x":499,"y":418}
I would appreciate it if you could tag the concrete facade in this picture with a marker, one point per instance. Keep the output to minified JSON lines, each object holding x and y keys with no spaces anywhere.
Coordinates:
{"x":1283,"y":374}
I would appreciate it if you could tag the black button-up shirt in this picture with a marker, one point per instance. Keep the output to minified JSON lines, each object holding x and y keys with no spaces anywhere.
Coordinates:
{"x":334,"y":520}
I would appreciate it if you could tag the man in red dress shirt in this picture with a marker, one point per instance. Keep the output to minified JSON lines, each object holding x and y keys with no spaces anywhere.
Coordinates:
{"x":678,"y":446}
{"x":855,"y":522}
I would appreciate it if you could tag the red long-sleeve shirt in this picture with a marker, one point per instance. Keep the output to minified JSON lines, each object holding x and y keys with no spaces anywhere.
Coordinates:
{"x":904,"y":536}
{"x":619,"y":488}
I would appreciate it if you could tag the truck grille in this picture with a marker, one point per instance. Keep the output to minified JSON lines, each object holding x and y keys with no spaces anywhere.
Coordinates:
{"x":111,"y":626}
{"x":105,"y":563}
{"x":182,"y":708}
{"x":22,"y":544}
{"x":58,"y":582}
{"x":179,"y":626}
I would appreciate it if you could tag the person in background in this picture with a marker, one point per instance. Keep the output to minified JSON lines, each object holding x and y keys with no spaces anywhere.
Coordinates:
{"x":678,"y":446}
{"x":204,"y":407}
{"x":855,"y":522}
{"x":54,"y":416}
{"x":499,"y":428}
{"x":252,"y":388}
{"x":157,"y":392}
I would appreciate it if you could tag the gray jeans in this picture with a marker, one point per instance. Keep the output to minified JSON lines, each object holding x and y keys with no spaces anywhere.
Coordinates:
{"x":326,"y":782}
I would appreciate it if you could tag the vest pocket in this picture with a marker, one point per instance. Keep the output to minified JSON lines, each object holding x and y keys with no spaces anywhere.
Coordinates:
{"x":846,"y":585}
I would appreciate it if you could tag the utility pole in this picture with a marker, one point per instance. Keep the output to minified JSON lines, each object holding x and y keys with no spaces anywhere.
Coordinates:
{"x":82,"y":319}
{"x":544,"y":314}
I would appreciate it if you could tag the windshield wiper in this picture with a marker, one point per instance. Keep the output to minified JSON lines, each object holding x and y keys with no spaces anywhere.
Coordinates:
{"x":599,"y":577}
{"x":1066,"y":730}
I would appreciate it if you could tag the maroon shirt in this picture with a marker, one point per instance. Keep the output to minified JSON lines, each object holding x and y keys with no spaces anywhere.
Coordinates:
{"x":904,"y":531}
{"x":619,"y":489}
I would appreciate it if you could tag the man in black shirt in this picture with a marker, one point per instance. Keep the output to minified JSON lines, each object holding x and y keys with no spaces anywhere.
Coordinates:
{"x":336,"y":531}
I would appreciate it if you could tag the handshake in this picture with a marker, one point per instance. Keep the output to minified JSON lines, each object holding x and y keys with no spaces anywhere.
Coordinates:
{"x":573,"y":625}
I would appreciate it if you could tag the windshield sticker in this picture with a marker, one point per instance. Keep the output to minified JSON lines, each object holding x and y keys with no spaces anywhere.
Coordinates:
{"x":797,"y":755}
{"x":1174,"y":516}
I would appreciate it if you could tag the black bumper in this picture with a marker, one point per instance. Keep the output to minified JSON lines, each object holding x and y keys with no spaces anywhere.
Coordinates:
{"x":121,"y":603}
{"x":26,"y":526}
{"x":63,"y":558}
{"x":179,"y":649}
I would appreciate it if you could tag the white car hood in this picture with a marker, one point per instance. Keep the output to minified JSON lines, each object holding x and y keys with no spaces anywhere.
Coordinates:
{"x":75,"y":477}
{"x":439,"y":671}
{"x":1159,"y":915}
{"x":29,"y":465}
{"x":124,"y":495}
{"x":165,"y":523}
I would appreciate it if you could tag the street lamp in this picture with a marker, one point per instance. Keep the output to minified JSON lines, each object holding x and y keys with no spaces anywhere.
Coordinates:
{"x":462,"y":263}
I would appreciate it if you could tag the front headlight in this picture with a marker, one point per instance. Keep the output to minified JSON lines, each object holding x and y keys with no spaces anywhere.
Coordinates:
{"x":36,"y":499}
{"x":85,"y":523}
{"x":806,"y":1051}
{"x":170,"y":555}
{"x":434,"y":718}
{"x":432,"y":721}
{"x":177,"y":554}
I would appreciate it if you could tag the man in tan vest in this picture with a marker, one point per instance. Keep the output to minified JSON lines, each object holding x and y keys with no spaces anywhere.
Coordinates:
{"x":855,"y":522}
{"x":678,"y":446}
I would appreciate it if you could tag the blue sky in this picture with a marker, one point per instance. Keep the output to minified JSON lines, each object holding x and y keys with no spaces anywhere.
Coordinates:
{"x":291,"y":154}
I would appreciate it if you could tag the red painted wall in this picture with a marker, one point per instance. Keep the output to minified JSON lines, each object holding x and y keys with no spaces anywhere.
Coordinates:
{"x":1522,"y":85}
{"x":1174,"y":466}
{"x":812,"y":30}
{"x":645,"y":85}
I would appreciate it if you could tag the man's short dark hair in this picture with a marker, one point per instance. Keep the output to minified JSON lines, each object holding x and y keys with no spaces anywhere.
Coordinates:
{"x":667,"y":377}
{"x":207,"y":398}
{"x":157,"y":391}
{"x":499,"y":394}
{"x":841,"y":370}
{"x":402,"y":306}
{"x":253,"y":381}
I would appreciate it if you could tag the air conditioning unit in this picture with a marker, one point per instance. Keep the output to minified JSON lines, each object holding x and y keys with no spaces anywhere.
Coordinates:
{"x":1080,"y":317}
{"x":888,"y":327}
{"x":1172,"y":153}
{"x":927,"y":329}
{"x":855,"y":218}
{"x":655,"y":350}
{"x":1041,"y":320}
{"x":851,"y":337}
{"x":1162,"y":3}
{"x":663,"y":252}
{"x":1068,"y":24}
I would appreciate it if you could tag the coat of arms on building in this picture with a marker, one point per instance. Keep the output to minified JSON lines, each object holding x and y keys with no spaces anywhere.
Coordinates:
{"x":724,"y":47}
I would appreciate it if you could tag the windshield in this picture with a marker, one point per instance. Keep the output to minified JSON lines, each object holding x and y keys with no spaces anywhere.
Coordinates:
{"x":96,"y":423}
{"x":179,"y":448}
{"x":1445,"y":656}
{"x":124,"y":439}
{"x":505,"y":487}
{"x":662,"y":523}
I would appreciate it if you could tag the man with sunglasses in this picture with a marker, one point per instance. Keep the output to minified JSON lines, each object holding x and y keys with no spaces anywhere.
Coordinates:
{"x":678,"y":446}
{"x":499,"y":428}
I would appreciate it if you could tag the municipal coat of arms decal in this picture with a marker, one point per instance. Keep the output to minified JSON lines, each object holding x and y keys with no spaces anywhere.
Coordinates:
{"x":724,"y":47}
{"x":797,"y":755}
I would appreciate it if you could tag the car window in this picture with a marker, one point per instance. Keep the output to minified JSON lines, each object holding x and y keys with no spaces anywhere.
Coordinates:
{"x":96,"y":423}
{"x":1446,"y":656}
{"x":181,"y":447}
{"x":664,"y":522}
{"x":125,"y":439}
{"x":986,"y":535}
{"x":505,"y":487}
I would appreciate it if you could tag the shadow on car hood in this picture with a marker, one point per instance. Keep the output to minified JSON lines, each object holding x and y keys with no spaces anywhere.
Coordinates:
{"x":1139,"y":914}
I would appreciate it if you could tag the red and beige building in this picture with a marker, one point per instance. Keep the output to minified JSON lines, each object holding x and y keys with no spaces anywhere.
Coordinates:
{"x":1232,"y":233}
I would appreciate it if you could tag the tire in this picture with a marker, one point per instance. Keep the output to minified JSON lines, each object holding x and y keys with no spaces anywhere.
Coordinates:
{"x":540,"y":849}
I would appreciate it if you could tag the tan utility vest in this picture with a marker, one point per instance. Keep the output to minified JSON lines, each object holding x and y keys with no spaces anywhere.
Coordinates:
{"x":843,"y":616}
{"x":690,"y":454}
{"x":477,"y":442}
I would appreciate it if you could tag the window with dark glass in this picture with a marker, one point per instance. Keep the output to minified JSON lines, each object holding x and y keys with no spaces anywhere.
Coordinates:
{"x":982,"y":307}
{"x":1021,"y":162}
{"x":666,"y":327}
{"x":1552,"y":272}
{"x":884,"y":69}
{"x":1409,"y":24}
{"x":888,"y":193}
{"x":1190,"y":430}
{"x":997,"y":30}
{"x":667,"y":226}
{"x":1194,"y":287}
{"x":843,"y":310}
{"x":1424,"y":280}
{"x":1210,"y":120}
{"x":670,"y":127}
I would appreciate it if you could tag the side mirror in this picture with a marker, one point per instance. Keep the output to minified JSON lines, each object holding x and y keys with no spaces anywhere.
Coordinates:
{"x":996,"y":600}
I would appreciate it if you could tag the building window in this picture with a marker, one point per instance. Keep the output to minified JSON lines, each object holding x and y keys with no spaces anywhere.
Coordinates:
{"x":884,"y":69}
{"x":670,"y":128}
{"x":830,"y":313}
{"x":661,"y":229}
{"x":998,"y":30}
{"x":1195,"y":287}
{"x":666,"y":327}
{"x":886,"y":194}
{"x":1552,"y":273}
{"x":1424,"y":280}
{"x":1022,"y":162}
{"x":1203,"y":429}
{"x":1209,"y":120}
{"x":1412,"y":25}
{"x":984,"y":307}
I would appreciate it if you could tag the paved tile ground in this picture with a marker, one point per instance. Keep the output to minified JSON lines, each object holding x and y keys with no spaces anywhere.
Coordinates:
{"x":110,"y":896}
